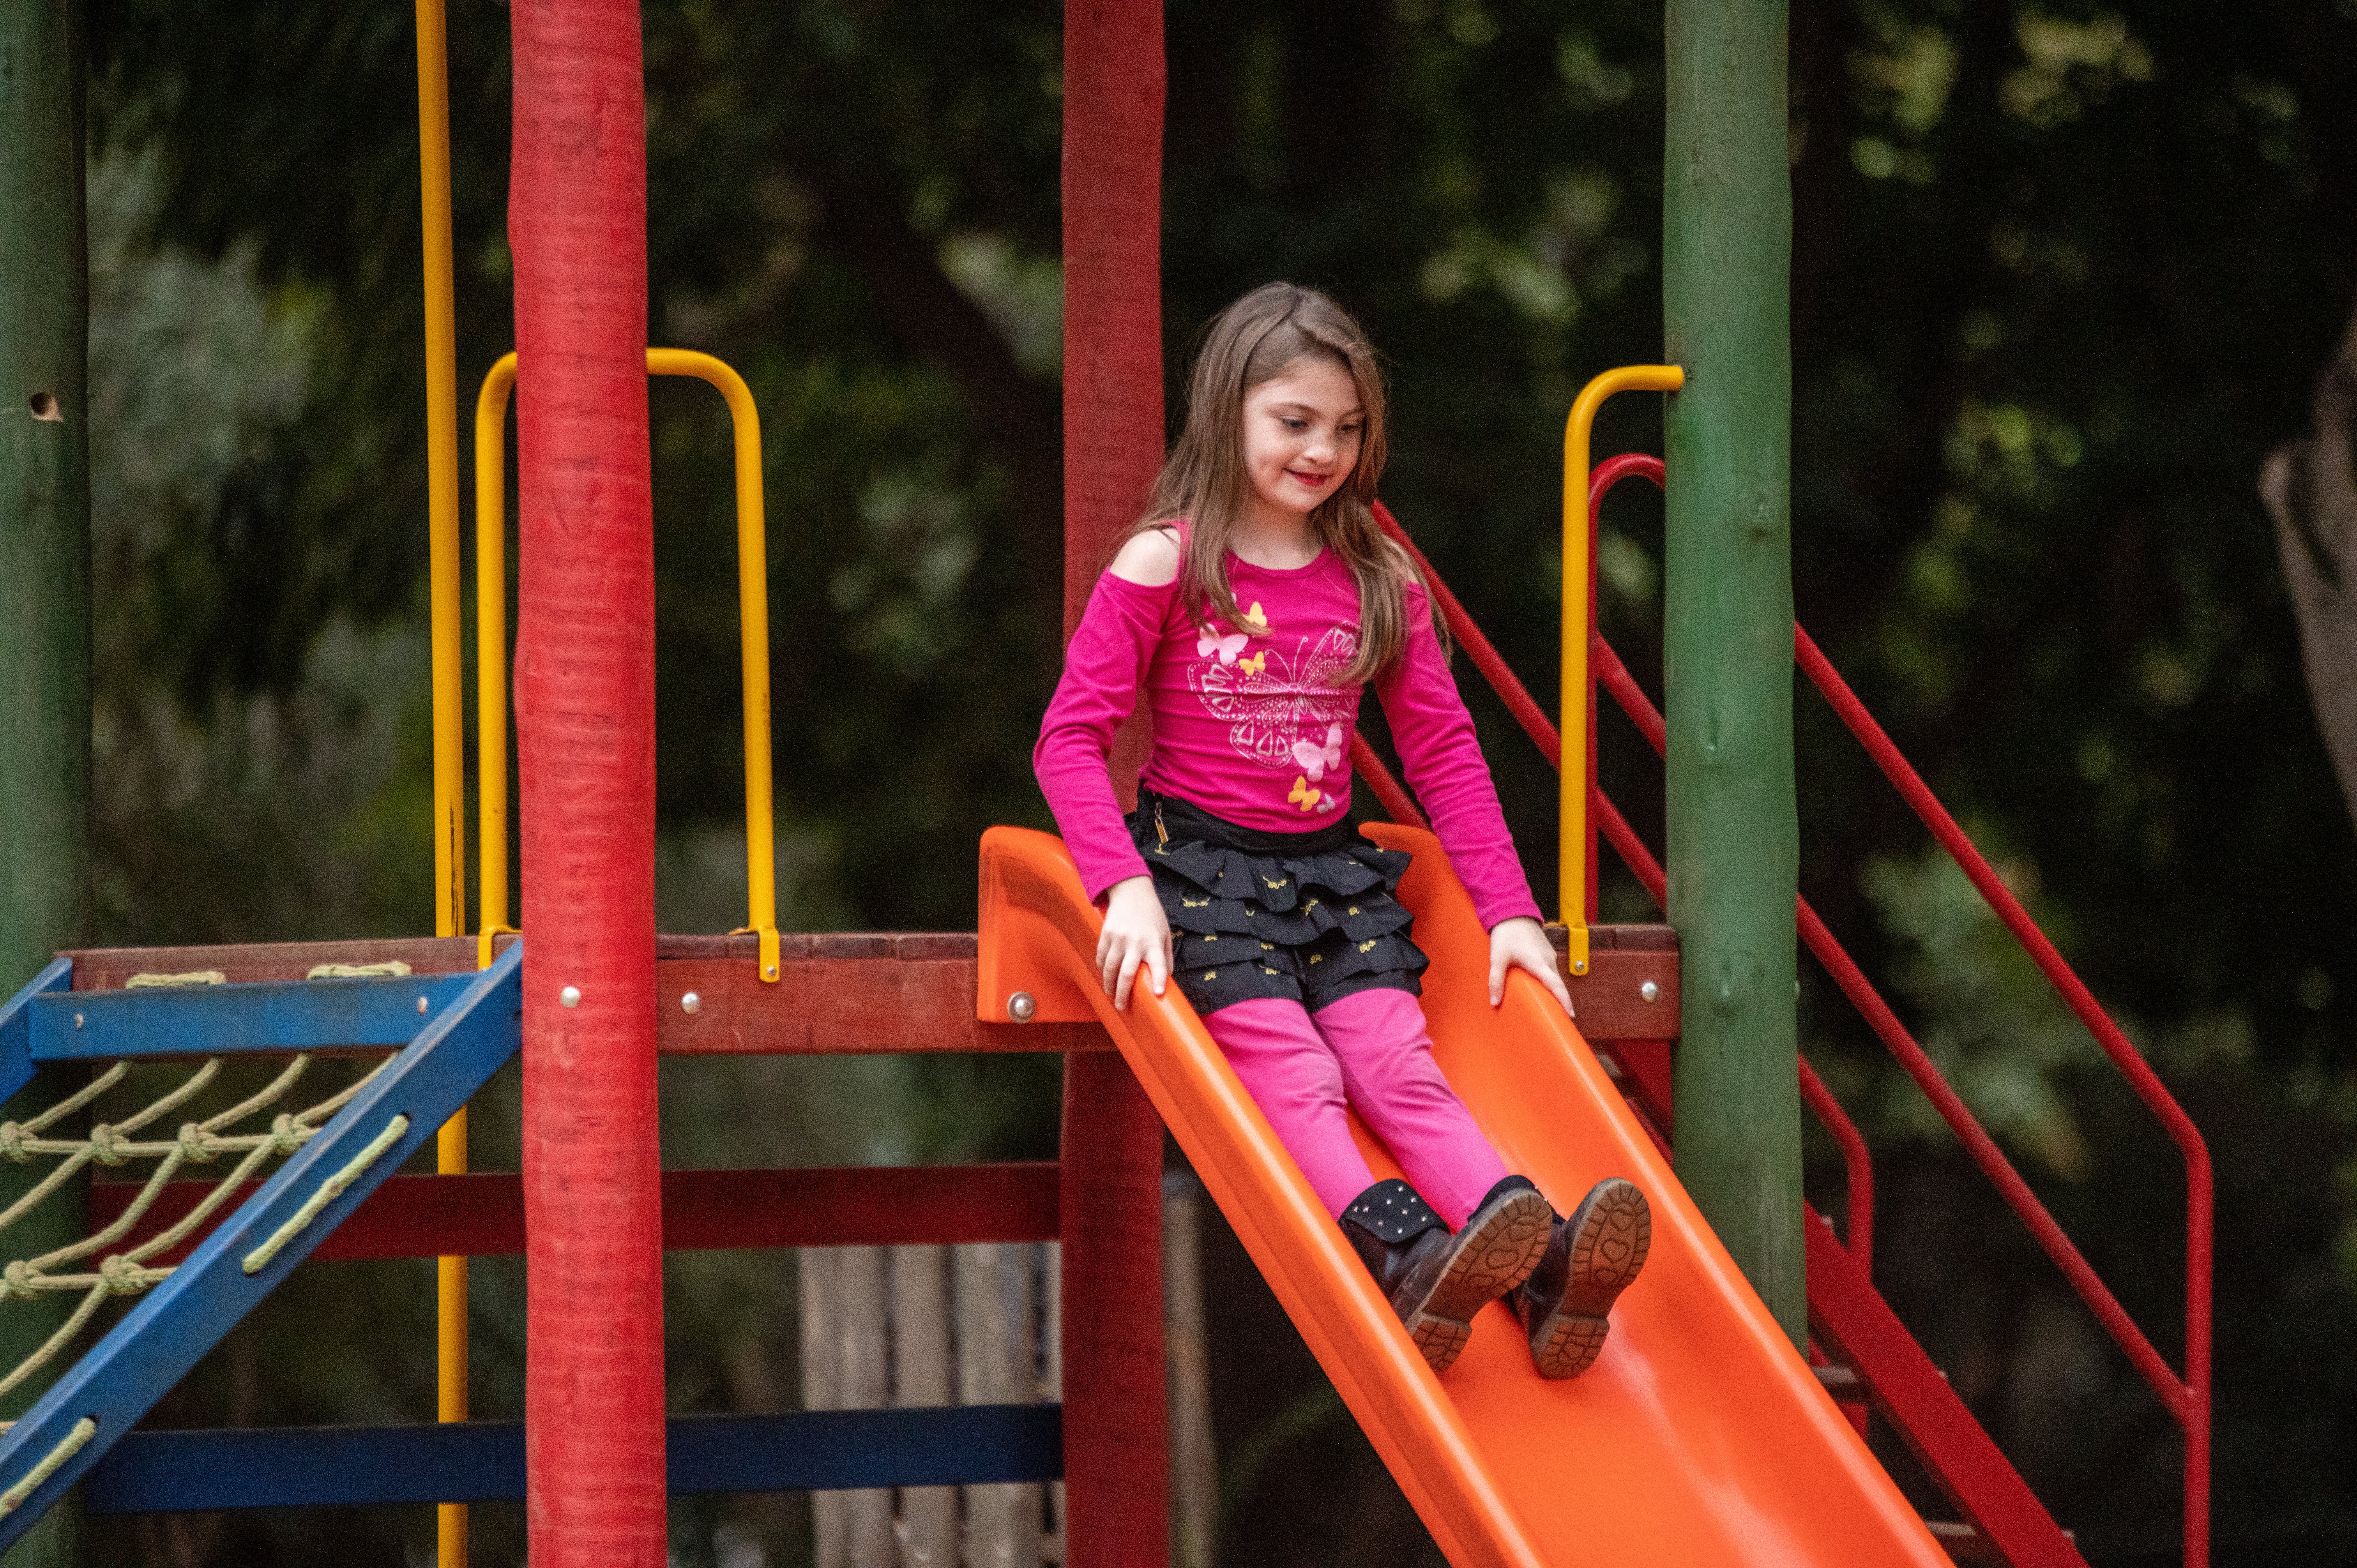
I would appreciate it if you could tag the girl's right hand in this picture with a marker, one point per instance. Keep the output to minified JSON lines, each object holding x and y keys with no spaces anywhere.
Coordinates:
{"x":1136,"y":933}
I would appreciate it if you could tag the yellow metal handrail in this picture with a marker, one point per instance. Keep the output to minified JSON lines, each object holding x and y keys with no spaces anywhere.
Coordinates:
{"x":753,"y":637}
{"x":1571,"y":887}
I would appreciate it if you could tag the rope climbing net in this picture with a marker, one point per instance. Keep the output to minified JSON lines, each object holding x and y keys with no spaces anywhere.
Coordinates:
{"x":202,"y":1143}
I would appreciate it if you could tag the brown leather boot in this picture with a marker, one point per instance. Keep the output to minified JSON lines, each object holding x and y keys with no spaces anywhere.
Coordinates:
{"x":1589,"y":1260}
{"x":1435,"y":1281}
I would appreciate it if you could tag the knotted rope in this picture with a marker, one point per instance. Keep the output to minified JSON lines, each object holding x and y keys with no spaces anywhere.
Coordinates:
{"x":115,"y":1144}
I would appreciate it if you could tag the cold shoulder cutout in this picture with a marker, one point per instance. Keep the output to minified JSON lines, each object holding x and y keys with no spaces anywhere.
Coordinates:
{"x":1150,"y":559}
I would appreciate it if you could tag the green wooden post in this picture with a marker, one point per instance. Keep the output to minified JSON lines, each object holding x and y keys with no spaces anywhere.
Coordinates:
{"x":1733,"y":840}
{"x":45,"y":592}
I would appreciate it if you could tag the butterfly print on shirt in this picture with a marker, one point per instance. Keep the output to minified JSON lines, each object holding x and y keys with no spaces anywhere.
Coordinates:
{"x":1208,"y":641}
{"x":1283,"y":712}
{"x":1315,"y":760}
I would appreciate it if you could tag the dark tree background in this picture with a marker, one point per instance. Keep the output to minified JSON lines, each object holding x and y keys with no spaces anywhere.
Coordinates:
{"x":2062,"y":274}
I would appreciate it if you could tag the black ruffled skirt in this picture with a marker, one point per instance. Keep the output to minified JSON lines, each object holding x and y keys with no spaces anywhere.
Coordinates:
{"x":1308,"y":918}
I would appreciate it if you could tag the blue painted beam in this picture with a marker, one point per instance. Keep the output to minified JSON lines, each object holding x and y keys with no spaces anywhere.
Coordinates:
{"x":218,"y":1020}
{"x":104,"y":1394}
{"x":164,"y":1472}
{"x":17,"y":1025}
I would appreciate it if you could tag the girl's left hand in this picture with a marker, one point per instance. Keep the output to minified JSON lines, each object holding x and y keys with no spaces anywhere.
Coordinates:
{"x":1521,"y":943}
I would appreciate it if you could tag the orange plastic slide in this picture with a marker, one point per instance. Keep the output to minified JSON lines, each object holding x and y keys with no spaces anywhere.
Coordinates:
{"x":1699,"y":1437}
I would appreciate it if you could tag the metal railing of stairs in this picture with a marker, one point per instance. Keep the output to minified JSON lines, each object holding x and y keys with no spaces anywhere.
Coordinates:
{"x":1844,"y":1307}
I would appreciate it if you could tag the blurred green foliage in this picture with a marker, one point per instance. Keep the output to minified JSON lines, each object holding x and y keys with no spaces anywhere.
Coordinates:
{"x":2063,"y":272}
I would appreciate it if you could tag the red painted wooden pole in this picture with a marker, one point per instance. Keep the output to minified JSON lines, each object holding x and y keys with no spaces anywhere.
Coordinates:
{"x":584,"y":709}
{"x":1116,"y":1427}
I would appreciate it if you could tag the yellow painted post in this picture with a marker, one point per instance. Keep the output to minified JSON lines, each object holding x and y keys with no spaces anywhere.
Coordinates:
{"x":442,"y":476}
{"x":1572,"y":822}
{"x":449,"y":701}
{"x":753,"y":640}
{"x":450,"y":1344}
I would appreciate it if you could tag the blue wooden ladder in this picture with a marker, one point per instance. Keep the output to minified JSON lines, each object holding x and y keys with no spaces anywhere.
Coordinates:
{"x":452,"y":1032}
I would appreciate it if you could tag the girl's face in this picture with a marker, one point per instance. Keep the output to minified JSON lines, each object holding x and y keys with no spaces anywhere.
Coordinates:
{"x":1302,"y":432}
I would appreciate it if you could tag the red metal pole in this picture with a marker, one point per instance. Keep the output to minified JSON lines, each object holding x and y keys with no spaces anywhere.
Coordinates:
{"x":1594,"y":638}
{"x":1605,"y":668}
{"x":2186,"y":1401}
{"x":1116,"y":1427}
{"x":1601,"y":479}
{"x":2189,"y":1400}
{"x":584,"y":709}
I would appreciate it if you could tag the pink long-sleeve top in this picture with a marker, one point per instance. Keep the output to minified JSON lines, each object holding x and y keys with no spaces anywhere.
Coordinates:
{"x":1251,"y":726}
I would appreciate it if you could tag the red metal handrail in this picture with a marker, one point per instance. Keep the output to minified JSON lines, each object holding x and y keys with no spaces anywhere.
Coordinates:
{"x":1857,"y":1164}
{"x":2188,"y":1399}
{"x":1857,"y":1168}
{"x":1952,"y":1108}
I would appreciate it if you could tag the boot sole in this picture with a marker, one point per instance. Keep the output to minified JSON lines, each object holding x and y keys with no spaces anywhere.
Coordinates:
{"x":1490,"y":1257}
{"x":1615,"y":1232}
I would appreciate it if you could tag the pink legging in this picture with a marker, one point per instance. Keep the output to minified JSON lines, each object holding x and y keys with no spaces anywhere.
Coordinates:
{"x":1369,"y":1052}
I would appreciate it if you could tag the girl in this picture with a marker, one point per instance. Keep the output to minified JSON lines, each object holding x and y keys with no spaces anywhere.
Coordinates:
{"x":1250,"y":606}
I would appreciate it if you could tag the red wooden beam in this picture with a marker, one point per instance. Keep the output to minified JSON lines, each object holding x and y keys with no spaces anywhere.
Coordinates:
{"x":836,"y":995}
{"x":1610,"y":999}
{"x":482,"y":1214}
{"x":1117,"y":1448}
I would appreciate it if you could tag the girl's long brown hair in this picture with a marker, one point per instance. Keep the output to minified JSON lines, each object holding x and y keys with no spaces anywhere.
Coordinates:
{"x":1250,"y":343}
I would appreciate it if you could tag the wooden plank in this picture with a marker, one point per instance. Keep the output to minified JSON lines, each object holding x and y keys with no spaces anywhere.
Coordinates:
{"x":275,"y":1018}
{"x":292,"y":1467}
{"x":997,"y":1351}
{"x":1609,"y":1000}
{"x":928,"y":1523}
{"x":821,"y":1376}
{"x":105,"y":969}
{"x":1649,"y":935}
{"x":838,"y":992}
{"x":906,"y":946}
{"x":841,"y":1006}
{"x":482,"y":1214}
{"x":845,"y":1366}
{"x":1194,"y":1463}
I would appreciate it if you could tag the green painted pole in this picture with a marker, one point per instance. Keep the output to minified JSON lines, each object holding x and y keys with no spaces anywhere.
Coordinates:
{"x":45,"y":595}
{"x":1734,"y":839}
